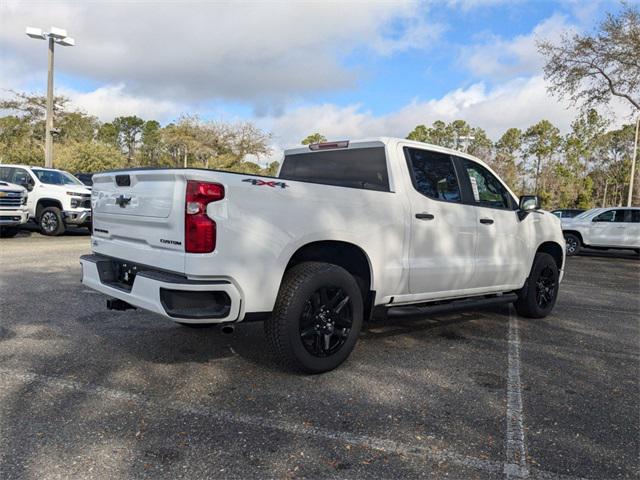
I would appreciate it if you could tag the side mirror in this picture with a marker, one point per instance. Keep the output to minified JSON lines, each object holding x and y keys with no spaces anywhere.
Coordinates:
{"x":528,"y":203}
{"x":28,"y":185}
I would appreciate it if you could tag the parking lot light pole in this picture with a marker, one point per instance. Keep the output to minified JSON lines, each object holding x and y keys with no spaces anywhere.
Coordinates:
{"x":633,"y":163}
{"x":59,"y":36}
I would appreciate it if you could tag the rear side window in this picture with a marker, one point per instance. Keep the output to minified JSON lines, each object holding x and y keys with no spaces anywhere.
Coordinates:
{"x":356,"y":168}
{"x":433,"y":174}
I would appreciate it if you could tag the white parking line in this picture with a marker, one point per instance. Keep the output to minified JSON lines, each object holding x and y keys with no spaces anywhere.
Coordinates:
{"x":516,"y":464}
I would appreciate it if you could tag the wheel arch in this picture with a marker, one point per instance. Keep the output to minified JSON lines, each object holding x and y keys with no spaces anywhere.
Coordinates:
{"x":45,"y":203}
{"x":347,"y":255}
{"x":576,"y":233}
{"x":555,"y":250}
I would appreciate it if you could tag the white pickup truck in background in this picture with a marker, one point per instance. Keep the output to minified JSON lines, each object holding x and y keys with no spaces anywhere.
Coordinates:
{"x":13,"y":208}
{"x":346,"y":229}
{"x":56,"y":200}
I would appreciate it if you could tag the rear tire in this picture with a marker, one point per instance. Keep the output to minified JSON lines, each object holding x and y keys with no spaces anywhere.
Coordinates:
{"x":317,"y":317}
{"x":8,"y":232}
{"x":539,"y":294}
{"x":50,"y":222}
{"x":573,"y":244}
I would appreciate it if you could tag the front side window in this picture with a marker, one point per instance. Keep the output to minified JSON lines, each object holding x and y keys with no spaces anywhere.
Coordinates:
{"x":433,"y":174}
{"x":608,"y":216}
{"x":486,"y":188}
{"x":56,"y":177}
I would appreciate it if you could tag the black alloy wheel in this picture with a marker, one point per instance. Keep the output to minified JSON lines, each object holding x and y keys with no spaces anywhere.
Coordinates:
{"x":326,"y":321}
{"x":546,"y":287}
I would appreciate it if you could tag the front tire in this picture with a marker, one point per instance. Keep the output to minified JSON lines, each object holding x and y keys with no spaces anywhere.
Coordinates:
{"x":317,"y":317}
{"x":573,"y":244}
{"x":539,"y":294}
{"x":8,"y":232}
{"x":50,"y":222}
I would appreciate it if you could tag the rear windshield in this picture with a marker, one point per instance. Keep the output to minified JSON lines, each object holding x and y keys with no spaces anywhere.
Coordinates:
{"x":357,"y":168}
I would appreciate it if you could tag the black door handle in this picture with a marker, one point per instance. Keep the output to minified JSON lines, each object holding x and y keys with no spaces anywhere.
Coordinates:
{"x":486,"y":221}
{"x":424,"y":216}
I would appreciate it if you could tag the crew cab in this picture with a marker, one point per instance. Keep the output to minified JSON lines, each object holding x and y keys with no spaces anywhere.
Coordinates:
{"x":347,"y":229}
{"x":13,"y":209}
{"x":56,"y":198}
{"x":603,"y":228}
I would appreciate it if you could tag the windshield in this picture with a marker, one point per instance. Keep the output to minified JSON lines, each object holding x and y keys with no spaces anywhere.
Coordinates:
{"x":586,"y":214}
{"x":56,"y":177}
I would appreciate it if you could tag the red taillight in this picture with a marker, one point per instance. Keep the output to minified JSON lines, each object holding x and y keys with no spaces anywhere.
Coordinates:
{"x":199,"y":229}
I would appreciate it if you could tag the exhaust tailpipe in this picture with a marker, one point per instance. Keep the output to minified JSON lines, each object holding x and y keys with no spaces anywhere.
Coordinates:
{"x":227,"y":329}
{"x":117,"y":304}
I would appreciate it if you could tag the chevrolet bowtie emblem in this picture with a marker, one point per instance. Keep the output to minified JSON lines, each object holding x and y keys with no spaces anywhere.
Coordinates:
{"x":123,"y":201}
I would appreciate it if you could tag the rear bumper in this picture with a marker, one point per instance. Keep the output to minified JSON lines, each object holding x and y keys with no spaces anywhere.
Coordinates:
{"x":76,"y":217}
{"x":171,"y":295}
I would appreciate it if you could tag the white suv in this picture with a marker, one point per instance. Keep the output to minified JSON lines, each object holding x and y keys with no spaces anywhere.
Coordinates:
{"x":603,"y":228}
{"x":56,"y":198}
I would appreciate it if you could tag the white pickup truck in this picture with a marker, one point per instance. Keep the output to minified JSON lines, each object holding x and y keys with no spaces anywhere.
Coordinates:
{"x":345,"y":229}
{"x":13,"y":208}
{"x":56,"y":200}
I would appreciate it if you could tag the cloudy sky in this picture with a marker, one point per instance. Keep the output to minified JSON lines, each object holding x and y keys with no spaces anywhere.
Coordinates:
{"x":344,"y":68}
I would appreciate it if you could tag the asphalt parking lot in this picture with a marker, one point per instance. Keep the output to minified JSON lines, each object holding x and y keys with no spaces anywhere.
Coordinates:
{"x":89,"y":393}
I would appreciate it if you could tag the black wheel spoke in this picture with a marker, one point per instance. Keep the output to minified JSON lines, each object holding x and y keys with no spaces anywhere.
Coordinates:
{"x":324,"y":297}
{"x":308,"y":332}
{"x":341,"y":305}
{"x":327,"y":342}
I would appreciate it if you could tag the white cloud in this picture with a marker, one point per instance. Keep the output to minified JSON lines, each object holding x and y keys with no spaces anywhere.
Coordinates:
{"x":518,"y":103}
{"x":503,"y":58}
{"x":252,"y":51}
{"x":111,"y":101}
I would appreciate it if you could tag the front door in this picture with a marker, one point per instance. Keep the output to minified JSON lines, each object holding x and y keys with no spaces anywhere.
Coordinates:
{"x":607,"y":229}
{"x":443,"y":229}
{"x":501,"y":259}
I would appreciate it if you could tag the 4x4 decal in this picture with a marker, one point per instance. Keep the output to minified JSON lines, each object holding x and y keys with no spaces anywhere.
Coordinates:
{"x":271,"y":183}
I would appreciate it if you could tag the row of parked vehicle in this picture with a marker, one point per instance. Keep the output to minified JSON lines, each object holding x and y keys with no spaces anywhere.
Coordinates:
{"x":54,"y":199}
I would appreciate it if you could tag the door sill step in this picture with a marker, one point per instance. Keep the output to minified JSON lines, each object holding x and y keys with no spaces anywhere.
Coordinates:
{"x":471,"y":303}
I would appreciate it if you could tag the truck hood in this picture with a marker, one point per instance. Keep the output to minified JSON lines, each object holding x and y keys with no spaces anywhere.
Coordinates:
{"x":11,"y":187}
{"x":80,"y":190}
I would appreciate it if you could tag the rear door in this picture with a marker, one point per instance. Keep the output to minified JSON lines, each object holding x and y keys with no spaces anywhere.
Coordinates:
{"x":500,"y":258}
{"x":443,"y":229}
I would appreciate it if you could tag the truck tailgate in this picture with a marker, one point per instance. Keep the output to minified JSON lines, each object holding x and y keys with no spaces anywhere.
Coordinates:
{"x":139,"y":214}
